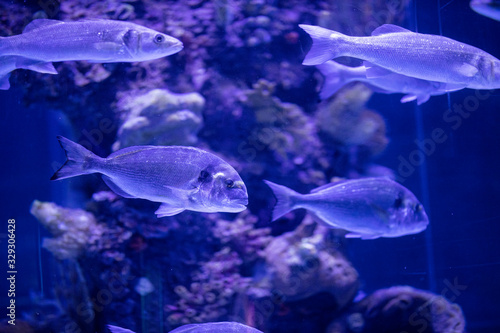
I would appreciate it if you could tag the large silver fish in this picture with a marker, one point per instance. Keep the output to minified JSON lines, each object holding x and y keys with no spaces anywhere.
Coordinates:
{"x":488,"y":8}
{"x":337,"y":75}
{"x":368,"y":208}
{"x":44,"y":41}
{"x":422,"y":56}
{"x":220,"y":327}
{"x":181,"y":178}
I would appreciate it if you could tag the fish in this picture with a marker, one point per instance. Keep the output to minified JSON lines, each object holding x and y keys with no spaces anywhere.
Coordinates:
{"x":180,"y":178}
{"x":44,"y":41}
{"x":488,"y":8}
{"x":219,"y":327}
{"x":397,"y":50}
{"x":337,"y":75}
{"x":116,"y":329}
{"x":367,"y":208}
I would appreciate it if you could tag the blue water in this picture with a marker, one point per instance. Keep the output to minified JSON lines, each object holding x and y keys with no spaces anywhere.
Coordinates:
{"x":458,"y":183}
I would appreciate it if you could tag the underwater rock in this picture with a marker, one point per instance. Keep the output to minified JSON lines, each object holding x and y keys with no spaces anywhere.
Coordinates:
{"x":305,"y":262}
{"x":73,"y":229}
{"x":242,"y":236}
{"x":144,"y":286}
{"x":211,"y":295}
{"x":161,"y":118}
{"x":281,"y":128}
{"x":401,"y":309}
{"x":346,"y":120}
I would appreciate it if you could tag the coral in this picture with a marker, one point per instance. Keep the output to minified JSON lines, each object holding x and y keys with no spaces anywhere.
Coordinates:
{"x":73,"y":229}
{"x":212,"y":292}
{"x":282,"y":128}
{"x":242,"y":236}
{"x":346,"y":120}
{"x":305,"y":262}
{"x":160,"y":117}
{"x":401,"y":309}
{"x":144,"y":286}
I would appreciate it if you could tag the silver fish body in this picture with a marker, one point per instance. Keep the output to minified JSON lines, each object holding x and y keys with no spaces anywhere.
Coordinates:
{"x":337,"y":75}
{"x":219,"y":327}
{"x":44,"y":41}
{"x":181,"y":178}
{"x":368,"y":208}
{"x":488,"y":8}
{"x":422,"y":56}
{"x":216,"y":327}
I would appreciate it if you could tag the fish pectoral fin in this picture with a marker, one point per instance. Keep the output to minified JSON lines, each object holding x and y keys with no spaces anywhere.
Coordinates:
{"x":115,"y":188}
{"x":467,"y":70}
{"x":449,"y":87}
{"x":362,"y":236}
{"x":40,"y":67}
{"x":40,"y":23}
{"x":374,"y":71}
{"x":421,"y":99}
{"x":388,"y":29}
{"x":168,"y":210}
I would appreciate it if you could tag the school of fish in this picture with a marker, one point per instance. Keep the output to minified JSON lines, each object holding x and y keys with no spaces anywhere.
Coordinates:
{"x":396,"y":60}
{"x":395,"y":53}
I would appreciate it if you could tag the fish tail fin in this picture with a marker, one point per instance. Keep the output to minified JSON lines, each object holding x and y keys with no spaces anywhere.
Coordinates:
{"x":4,"y":81}
{"x":285,"y":199}
{"x":324,"y":46}
{"x":7,"y":65}
{"x":336,"y":76}
{"x":77,"y":163}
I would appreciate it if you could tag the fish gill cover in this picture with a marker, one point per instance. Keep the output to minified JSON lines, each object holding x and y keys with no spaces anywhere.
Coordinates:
{"x":238,"y":89}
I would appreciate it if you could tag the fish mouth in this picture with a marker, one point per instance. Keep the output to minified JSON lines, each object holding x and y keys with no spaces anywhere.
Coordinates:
{"x":176,"y":46}
{"x":240,"y":202}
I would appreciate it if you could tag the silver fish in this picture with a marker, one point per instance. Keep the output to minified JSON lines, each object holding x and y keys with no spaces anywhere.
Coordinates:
{"x":488,"y":8}
{"x":220,"y":327}
{"x":422,"y":56}
{"x":44,"y":41}
{"x":368,"y":208}
{"x":337,"y":75}
{"x":116,"y":329}
{"x":181,"y":178}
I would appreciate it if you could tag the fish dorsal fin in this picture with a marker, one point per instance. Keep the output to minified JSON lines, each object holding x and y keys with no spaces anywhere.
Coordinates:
{"x":115,"y":188}
{"x":324,"y":187}
{"x":388,"y":29}
{"x":40,"y":23}
{"x":168,"y":210}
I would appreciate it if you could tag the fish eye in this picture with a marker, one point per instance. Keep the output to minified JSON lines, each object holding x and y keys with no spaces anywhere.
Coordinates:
{"x":229,"y":183}
{"x":204,"y":175}
{"x":398,"y":203}
{"x":159,"y":39}
{"x":418,"y":207}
